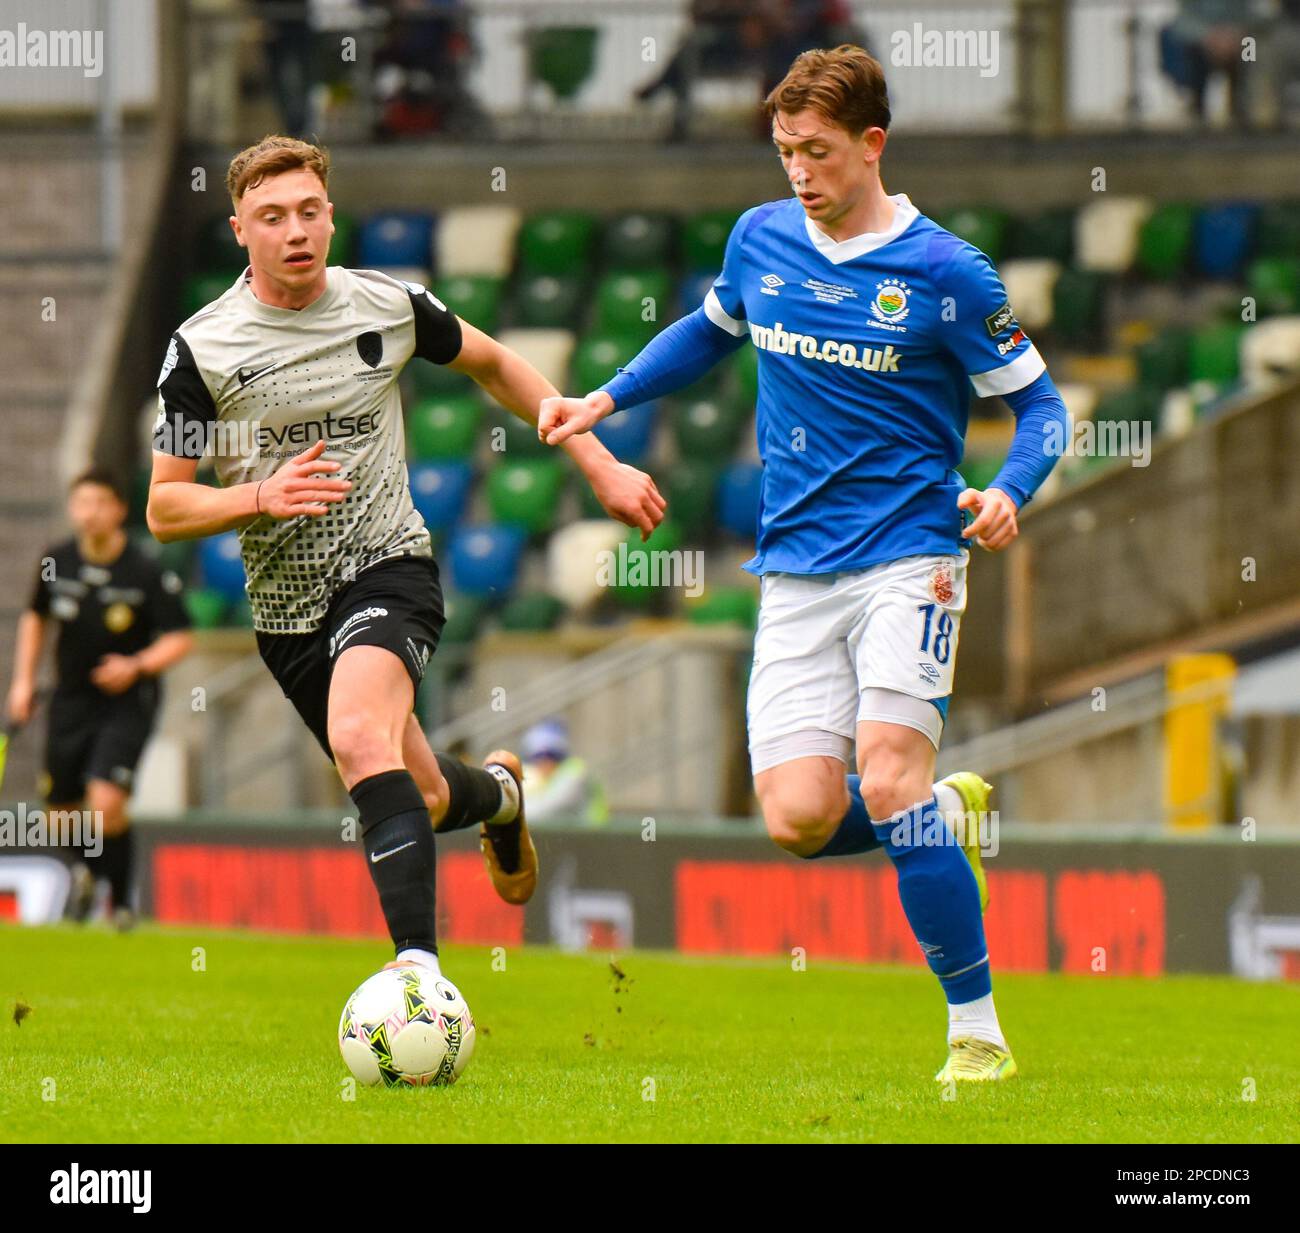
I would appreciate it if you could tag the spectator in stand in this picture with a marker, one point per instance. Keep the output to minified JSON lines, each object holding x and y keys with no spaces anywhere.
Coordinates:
{"x":1204,"y":39}
{"x":289,"y":60}
{"x":561,"y":787}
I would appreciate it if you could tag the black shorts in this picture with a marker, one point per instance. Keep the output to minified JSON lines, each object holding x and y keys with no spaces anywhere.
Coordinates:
{"x":396,"y":604}
{"x":96,"y":736}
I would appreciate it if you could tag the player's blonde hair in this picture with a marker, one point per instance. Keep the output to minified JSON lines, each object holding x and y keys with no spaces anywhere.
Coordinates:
{"x":846,"y":86}
{"x":270,"y":157}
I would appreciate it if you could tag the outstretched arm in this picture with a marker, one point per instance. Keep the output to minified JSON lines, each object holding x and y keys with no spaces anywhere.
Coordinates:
{"x":626,"y":494}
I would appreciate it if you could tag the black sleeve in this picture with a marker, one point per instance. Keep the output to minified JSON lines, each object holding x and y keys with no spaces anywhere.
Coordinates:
{"x":185,"y":407}
{"x":437,"y":328}
{"x":167,"y":612}
{"x":40,"y":601}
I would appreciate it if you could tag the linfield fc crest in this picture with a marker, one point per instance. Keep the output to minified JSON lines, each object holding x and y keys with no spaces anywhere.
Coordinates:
{"x":370,"y":347}
{"x":941,"y":583}
{"x":890,"y":302}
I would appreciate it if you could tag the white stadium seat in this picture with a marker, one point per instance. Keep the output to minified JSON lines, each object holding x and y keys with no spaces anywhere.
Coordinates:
{"x":1029,"y":283}
{"x":548,"y":351}
{"x":1106,"y":233}
{"x":573,"y":560}
{"x":477,"y":240}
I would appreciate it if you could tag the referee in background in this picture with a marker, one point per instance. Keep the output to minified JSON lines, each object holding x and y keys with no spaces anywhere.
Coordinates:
{"x":121,"y":624}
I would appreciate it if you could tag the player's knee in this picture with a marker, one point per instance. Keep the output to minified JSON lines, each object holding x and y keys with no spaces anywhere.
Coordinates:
{"x":891,"y":785}
{"x":356,"y":746}
{"x":798,"y":824}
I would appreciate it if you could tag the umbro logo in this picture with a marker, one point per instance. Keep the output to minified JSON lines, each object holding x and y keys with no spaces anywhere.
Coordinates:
{"x":770,"y":284}
{"x":248,"y":375}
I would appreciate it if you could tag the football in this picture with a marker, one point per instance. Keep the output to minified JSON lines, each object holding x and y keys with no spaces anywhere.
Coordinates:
{"x":406,"y":1026}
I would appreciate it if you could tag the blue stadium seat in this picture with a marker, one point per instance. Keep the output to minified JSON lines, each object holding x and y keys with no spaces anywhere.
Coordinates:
{"x":1223,"y":239}
{"x":485,"y":560}
{"x":629,"y":434}
{"x":693,"y":289}
{"x":396,"y":239}
{"x":222,"y":567}
{"x":440,"y":491}
{"x":738,"y":491}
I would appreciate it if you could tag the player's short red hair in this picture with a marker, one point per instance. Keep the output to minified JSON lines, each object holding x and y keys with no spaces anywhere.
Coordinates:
{"x":846,"y":86}
{"x":272,"y":156}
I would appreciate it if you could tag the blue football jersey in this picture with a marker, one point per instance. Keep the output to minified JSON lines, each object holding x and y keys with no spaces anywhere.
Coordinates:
{"x":867,"y":352}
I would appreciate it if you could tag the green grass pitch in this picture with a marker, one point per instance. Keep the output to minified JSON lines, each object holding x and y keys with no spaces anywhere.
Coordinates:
{"x":133,"y":1044}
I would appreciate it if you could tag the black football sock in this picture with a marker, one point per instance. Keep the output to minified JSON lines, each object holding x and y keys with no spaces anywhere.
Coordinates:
{"x":477,"y":796}
{"x":116,"y":867}
{"x":400,"y":854}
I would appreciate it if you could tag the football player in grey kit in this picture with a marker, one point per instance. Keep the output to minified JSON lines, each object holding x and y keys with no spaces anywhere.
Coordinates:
{"x":292,"y":376}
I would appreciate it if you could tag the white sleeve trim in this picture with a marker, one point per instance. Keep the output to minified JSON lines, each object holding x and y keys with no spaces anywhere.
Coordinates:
{"x":1024,"y":369}
{"x":721,"y":317}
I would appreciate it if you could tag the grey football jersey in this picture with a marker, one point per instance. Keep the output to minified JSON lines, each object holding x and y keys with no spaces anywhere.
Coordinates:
{"x":255,"y":385}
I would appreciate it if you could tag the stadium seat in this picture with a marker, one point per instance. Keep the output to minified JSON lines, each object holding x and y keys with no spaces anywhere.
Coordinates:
{"x":1077,"y":301}
{"x":635,"y":303}
{"x":526,"y":493}
{"x":1129,"y":404}
{"x":726,"y":606}
{"x":745,"y":365}
{"x":201,"y":290}
{"x":983,"y":226}
{"x":477,"y":240}
{"x":1224,"y":235}
{"x":239,"y":615}
{"x":1214,"y":353}
{"x":343,"y":243}
{"x":1275,"y":284}
{"x":177,"y":556}
{"x":1277,"y":229}
{"x":436,"y":380}
{"x":573,"y":555}
{"x":548,"y":351}
{"x":1029,"y":284}
{"x":1270,"y":351}
{"x":474,"y":297}
{"x":1106,"y":233}
{"x":692,"y":290}
{"x":738,"y":498}
{"x":709,"y":428}
{"x":418,"y":274}
{"x":1048,"y":234}
{"x":560,"y":242}
{"x":549,"y":301}
{"x":206,"y":607}
{"x":465,"y":617}
{"x":221,"y":566}
{"x":534,"y":612}
{"x":689,"y":489}
{"x":513,"y":438}
{"x":561,"y":56}
{"x":704,"y":239}
{"x":1080,"y":400}
{"x":396,"y":239}
{"x":629,"y":434}
{"x":978,"y":471}
{"x":216,"y":248}
{"x":485,"y":560}
{"x":1165,"y":240}
{"x":440,"y":491}
{"x":643,"y":578}
{"x":639,"y":241}
{"x":443,"y":428}
{"x":597,"y":359}
{"x":1162,"y":361}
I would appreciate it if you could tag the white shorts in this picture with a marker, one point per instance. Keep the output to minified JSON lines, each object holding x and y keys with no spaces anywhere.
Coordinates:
{"x":832,"y":650}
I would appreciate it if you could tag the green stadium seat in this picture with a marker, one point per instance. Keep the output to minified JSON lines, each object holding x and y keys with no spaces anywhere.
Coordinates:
{"x":1162,"y":361}
{"x":240,"y":615}
{"x":639,"y":241}
{"x":343,"y":243}
{"x":709,"y":428}
{"x":513,"y":439}
{"x":474,"y":297}
{"x":704,"y":239}
{"x":465,"y":617}
{"x":1165,"y":240}
{"x":562,"y":56}
{"x":598,"y":357}
{"x":560,"y":242}
{"x":637,"y":589}
{"x":1277,"y":231}
{"x":443,"y":429}
{"x":634,"y":303}
{"x":436,"y":380}
{"x":1131,"y":403}
{"x":983,"y":226}
{"x":726,"y":606}
{"x":198,"y":292}
{"x":689,"y":491}
{"x":1275,"y":284}
{"x":532,"y":612}
{"x":1077,"y":302}
{"x":216,"y":247}
{"x":526,"y":493}
{"x":1049,"y":234}
{"x":979,"y":469}
{"x":549,"y":301}
{"x":746,"y":367}
{"x":207,"y":608}
{"x":1214,"y":353}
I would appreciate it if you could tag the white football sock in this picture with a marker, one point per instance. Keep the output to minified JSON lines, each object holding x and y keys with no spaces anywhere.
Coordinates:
{"x":978,"y":1019}
{"x":953,"y":808}
{"x":509,"y":795}
{"x":424,"y":957}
